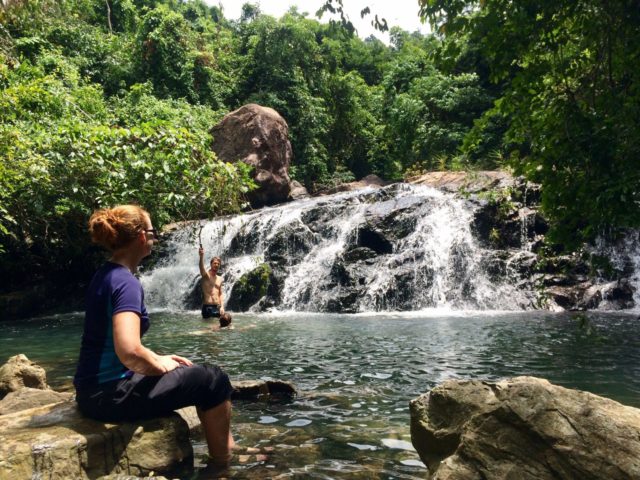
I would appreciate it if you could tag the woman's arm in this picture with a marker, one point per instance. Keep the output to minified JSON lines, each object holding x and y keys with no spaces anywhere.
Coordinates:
{"x":135,"y":356}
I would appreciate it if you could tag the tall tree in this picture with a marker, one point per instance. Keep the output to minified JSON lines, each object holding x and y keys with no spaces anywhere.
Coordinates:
{"x":572,"y":99}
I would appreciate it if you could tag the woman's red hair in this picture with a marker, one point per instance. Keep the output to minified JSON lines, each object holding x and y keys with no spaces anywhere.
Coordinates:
{"x":116,"y":227}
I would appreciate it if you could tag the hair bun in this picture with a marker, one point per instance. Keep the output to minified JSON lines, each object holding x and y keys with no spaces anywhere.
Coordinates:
{"x":116,"y":227}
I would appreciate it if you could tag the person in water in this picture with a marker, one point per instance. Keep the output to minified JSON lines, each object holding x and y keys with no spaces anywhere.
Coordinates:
{"x":225,"y":322}
{"x":211,"y":284}
{"x":119,"y":379}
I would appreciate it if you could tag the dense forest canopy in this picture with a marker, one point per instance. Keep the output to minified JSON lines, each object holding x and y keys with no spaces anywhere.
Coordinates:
{"x":570,"y":71}
{"x":110,"y":101}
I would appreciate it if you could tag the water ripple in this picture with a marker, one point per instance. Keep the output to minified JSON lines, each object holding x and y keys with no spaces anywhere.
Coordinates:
{"x":357,"y":374}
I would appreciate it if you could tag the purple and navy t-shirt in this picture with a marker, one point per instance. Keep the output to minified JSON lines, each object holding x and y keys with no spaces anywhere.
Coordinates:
{"x":113,"y":289}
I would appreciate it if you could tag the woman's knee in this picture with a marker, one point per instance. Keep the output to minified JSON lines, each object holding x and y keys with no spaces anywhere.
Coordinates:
{"x":195,"y":375}
{"x":210,"y":378}
{"x":215,"y":388}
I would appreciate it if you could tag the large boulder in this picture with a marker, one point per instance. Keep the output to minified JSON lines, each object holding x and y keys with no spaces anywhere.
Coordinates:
{"x":57,"y":442}
{"x":20,"y":372}
{"x":524,"y":428}
{"x":259,"y":137}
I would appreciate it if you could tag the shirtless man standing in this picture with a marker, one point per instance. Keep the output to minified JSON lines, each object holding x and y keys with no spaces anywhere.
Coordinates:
{"x":212,"y":300}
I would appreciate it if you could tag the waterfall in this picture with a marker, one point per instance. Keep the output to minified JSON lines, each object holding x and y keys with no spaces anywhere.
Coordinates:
{"x":624,"y":256}
{"x":402,"y":247}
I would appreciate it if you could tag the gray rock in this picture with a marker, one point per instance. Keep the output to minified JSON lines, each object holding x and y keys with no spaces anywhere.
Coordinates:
{"x":471,"y":182}
{"x":524,"y":428}
{"x":290,"y":244}
{"x":298,"y":192}
{"x":20,"y":372}
{"x":617,"y":295}
{"x":250,"y":288}
{"x":259,"y":137}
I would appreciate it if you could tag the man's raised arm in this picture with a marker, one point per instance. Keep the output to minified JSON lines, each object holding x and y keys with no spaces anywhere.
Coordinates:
{"x":203,"y":271}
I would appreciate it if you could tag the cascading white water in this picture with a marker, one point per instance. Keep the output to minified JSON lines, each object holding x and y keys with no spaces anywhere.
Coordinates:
{"x":437,"y":264}
{"x":624,"y":256}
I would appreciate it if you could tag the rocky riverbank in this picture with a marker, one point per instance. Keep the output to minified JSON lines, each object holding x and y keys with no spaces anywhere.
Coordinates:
{"x":522,"y":427}
{"x":43,"y":435}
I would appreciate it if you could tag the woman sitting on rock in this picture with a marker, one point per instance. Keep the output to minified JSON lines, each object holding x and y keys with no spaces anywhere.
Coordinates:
{"x":117,"y":378}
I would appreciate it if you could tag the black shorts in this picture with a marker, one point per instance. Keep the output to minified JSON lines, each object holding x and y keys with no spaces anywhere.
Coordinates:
{"x":210,"y":310}
{"x":143,"y":396}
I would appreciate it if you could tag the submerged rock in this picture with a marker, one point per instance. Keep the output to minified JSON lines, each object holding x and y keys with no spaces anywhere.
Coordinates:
{"x":256,"y":389}
{"x":524,"y":428}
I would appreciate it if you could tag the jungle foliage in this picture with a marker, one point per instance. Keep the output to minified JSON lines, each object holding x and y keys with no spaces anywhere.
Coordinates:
{"x":569,"y":71}
{"x":108,"y":101}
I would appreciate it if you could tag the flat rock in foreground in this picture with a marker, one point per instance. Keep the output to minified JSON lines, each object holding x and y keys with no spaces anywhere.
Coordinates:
{"x":53,"y":440}
{"x":56,"y":442}
{"x":524,"y":428}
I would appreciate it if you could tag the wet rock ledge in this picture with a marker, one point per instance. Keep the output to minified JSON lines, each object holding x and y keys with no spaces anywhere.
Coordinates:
{"x":524,"y":428}
{"x":43,"y":435}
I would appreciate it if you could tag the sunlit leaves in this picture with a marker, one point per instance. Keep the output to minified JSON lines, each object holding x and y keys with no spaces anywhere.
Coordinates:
{"x":572,"y":102}
{"x":64,"y":154}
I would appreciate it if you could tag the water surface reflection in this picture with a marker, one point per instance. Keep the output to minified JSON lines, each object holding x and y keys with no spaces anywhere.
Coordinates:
{"x":357,"y":373}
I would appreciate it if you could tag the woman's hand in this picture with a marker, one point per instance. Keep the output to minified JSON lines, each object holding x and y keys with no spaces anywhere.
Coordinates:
{"x":181,"y":360}
{"x":171,"y":362}
{"x":167,"y":363}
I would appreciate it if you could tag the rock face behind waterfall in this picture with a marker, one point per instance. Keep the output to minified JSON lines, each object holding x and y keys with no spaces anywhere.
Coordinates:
{"x":259,"y":137}
{"x":524,"y":428}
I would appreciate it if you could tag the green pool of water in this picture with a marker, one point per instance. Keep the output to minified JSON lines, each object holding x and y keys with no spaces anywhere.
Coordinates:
{"x":357,"y":373}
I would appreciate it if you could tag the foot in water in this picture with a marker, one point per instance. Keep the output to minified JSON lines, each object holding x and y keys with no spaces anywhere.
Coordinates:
{"x":212,"y":471}
{"x":252,"y":454}
{"x":241,"y":457}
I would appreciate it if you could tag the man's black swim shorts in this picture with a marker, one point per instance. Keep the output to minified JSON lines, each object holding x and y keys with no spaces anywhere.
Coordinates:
{"x":209,"y":310}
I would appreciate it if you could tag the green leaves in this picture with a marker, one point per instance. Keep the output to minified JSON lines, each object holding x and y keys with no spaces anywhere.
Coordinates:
{"x":570,"y":103}
{"x":63,"y":155}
